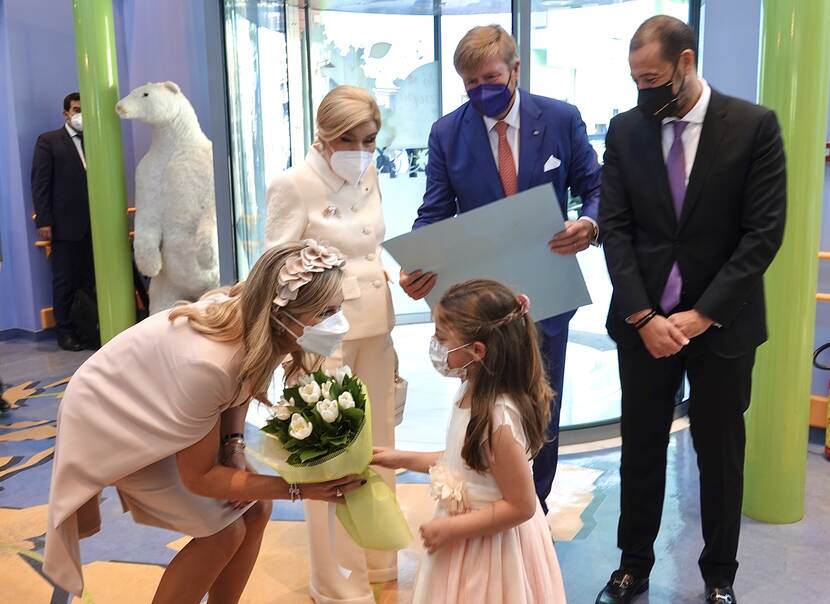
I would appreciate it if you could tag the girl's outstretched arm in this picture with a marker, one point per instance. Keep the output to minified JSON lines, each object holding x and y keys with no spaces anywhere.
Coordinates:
{"x":410,"y":460}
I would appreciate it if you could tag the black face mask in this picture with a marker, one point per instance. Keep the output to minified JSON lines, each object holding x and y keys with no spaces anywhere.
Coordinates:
{"x":659,"y":102}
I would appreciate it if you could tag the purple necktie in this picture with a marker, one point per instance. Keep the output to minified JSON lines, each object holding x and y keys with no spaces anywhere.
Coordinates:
{"x":676,"y":168}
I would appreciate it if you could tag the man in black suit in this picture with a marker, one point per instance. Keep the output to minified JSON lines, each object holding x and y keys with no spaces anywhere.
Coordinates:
{"x":692,"y":210}
{"x":61,"y":203}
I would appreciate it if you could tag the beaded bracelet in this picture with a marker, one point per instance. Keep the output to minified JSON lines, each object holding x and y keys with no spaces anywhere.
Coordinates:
{"x":644,"y":321}
{"x":235,"y":435}
{"x":294,"y":492}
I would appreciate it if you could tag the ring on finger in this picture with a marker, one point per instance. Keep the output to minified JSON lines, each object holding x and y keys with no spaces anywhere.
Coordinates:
{"x":338,"y":493}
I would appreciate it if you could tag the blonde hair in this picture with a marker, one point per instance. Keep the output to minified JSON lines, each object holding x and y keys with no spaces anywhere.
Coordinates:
{"x":486,"y":311}
{"x":250,"y":316}
{"x":482,"y":43}
{"x":344,"y":108}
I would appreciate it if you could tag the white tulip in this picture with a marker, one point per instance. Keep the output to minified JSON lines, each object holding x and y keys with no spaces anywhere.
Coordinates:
{"x":328,"y":410}
{"x":305,"y":379}
{"x":346,"y":401}
{"x":326,"y":389}
{"x":283,"y":409}
{"x":310,"y":393}
{"x":299,"y":428}
{"x":342,"y":373}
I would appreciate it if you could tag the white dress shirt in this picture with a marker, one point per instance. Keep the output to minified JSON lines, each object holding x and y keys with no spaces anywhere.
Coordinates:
{"x":77,"y":142}
{"x":512,"y":121}
{"x":691,"y":134}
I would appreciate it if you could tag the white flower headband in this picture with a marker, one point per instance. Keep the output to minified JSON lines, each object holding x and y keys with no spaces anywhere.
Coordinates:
{"x":297,"y":270}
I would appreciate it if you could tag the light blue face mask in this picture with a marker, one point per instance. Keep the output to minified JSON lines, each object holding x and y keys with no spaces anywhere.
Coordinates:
{"x":439,"y":355}
{"x":324,"y":338}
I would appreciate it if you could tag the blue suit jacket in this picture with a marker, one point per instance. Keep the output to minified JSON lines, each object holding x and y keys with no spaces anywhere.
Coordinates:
{"x":462,"y":174}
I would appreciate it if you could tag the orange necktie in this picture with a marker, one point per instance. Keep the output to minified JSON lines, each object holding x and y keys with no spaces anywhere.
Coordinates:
{"x":507,"y":167}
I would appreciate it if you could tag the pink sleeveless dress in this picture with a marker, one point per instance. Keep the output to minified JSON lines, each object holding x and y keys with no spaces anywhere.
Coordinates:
{"x":150,"y":392}
{"x":518,"y":565}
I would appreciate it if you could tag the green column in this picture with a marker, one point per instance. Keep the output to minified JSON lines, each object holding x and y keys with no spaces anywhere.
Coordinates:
{"x":795,"y":73}
{"x":98,"y":71}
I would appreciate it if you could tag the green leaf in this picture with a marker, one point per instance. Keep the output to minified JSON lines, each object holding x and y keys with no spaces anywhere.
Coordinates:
{"x":294,"y":393}
{"x":353,"y":416}
{"x":336,"y":441}
{"x":310,"y":454}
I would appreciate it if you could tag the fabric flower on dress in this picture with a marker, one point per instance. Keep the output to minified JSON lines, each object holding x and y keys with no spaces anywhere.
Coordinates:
{"x":298,"y":269}
{"x":447,"y":490}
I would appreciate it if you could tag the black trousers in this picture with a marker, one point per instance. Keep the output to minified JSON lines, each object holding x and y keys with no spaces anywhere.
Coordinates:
{"x":72,"y":269}
{"x":720,"y":393}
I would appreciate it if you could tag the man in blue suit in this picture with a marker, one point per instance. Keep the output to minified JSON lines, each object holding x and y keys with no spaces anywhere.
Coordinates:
{"x":506,"y":140}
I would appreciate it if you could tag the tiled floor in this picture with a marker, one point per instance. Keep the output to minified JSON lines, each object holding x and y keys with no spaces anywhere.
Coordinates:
{"x":123,"y":562}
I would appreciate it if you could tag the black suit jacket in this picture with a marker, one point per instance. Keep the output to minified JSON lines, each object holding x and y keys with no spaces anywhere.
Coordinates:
{"x":730,"y":229}
{"x":59,"y":191}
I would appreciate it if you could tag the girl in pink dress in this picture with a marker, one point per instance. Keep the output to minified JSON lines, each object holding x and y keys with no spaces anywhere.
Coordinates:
{"x":489,"y":542}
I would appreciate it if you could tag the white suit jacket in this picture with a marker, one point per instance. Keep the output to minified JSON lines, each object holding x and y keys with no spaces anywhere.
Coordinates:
{"x":311,"y":201}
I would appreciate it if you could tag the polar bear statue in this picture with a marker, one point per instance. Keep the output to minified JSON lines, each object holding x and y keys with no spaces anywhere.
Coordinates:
{"x":175,"y":219}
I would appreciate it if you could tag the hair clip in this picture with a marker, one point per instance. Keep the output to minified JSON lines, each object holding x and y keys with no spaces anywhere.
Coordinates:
{"x":524,"y":303}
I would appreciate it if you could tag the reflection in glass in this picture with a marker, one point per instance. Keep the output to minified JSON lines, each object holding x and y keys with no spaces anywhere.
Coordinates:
{"x":258,"y":105}
{"x":402,"y":53}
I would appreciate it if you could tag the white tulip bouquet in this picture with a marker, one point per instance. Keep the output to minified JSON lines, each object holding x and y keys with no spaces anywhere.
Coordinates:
{"x":322,"y":430}
{"x":320,"y":416}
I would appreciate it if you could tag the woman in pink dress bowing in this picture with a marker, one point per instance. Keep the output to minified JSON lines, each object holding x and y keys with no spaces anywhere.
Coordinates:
{"x":159,"y":413}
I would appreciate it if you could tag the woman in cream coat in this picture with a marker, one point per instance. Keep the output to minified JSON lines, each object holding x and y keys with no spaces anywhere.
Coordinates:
{"x":333,"y":196}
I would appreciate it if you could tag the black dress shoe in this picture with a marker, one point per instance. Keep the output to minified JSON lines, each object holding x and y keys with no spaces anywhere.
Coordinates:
{"x":622,"y":588}
{"x":69,"y":342}
{"x":720,"y":595}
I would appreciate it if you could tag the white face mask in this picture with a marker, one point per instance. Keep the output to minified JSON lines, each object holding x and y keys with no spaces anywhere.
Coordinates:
{"x":439,"y":355}
{"x":325,"y":337}
{"x":77,"y":122}
{"x":350,"y":165}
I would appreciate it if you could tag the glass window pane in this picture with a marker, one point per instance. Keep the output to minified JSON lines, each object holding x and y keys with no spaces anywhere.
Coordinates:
{"x":393,"y":56}
{"x":389,"y":48}
{"x":258,"y":104}
{"x":457,"y":19}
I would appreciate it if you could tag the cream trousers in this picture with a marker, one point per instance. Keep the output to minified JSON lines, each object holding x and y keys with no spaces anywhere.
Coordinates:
{"x":341,"y":571}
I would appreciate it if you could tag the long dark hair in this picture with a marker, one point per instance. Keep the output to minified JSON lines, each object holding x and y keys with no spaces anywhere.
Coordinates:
{"x":486,"y":311}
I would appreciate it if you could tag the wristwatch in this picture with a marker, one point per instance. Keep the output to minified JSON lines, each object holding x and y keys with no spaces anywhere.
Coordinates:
{"x":594,"y":233}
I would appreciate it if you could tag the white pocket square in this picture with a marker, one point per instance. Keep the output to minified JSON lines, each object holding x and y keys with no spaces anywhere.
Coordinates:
{"x":552,"y":163}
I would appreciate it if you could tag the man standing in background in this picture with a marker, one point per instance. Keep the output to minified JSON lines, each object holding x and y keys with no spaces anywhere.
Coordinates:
{"x":59,"y":195}
{"x":692,"y":211}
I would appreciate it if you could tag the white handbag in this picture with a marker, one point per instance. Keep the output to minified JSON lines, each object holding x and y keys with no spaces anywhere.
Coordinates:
{"x":400,"y":394}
